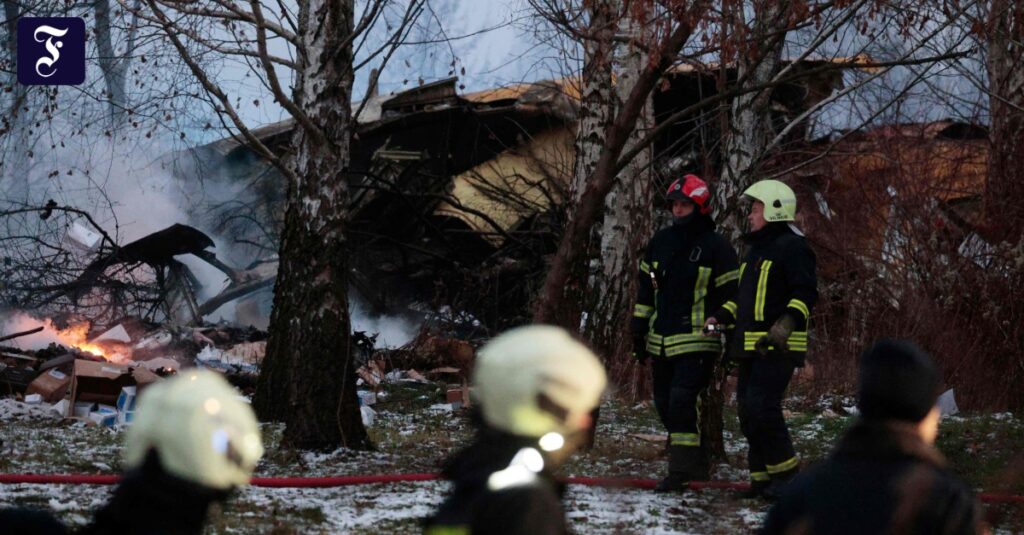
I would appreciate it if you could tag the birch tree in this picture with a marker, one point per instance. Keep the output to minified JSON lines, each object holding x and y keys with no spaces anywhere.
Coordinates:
{"x":307,"y":379}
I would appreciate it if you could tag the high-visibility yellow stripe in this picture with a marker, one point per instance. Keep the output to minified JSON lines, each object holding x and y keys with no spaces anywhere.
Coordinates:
{"x":645,"y":267}
{"x":676,"y":338}
{"x":784,"y":466}
{"x":731,"y":307}
{"x":713,"y":347}
{"x":699,"y":292}
{"x":796,"y":341}
{"x":642,"y":311}
{"x":447,"y":530}
{"x":760,"y":476}
{"x":762,"y":289}
{"x":684,"y":439}
{"x":801,"y":306}
{"x":726,"y":277}
{"x":743,"y":266}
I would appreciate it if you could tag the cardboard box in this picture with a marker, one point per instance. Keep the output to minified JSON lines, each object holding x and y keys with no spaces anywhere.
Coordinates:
{"x":104,"y":415}
{"x":51,"y":386}
{"x":80,"y":409}
{"x":101,"y":382}
{"x":125,"y":417}
{"x":126,"y":400}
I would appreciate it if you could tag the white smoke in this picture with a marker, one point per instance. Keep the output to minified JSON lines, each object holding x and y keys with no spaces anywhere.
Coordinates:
{"x":394,"y":331}
{"x":16,"y":322}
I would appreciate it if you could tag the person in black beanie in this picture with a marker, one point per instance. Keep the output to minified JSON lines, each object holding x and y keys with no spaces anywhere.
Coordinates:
{"x":885,"y":476}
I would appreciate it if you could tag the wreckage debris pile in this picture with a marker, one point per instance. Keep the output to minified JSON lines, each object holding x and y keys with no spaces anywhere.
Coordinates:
{"x":97,"y":377}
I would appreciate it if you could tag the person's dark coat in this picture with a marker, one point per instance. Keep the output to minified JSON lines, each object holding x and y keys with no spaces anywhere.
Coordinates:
{"x":530,"y":507}
{"x":882,"y":478}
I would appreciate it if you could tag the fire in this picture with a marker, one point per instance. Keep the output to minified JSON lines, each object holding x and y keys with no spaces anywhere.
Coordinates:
{"x":77,"y":336}
{"x":73,"y":334}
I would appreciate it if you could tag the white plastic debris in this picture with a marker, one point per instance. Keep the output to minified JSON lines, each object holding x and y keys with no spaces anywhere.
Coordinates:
{"x":83,"y":236}
{"x":368,"y":415}
{"x":947,"y":403}
{"x":33,"y":399}
{"x":117,"y":333}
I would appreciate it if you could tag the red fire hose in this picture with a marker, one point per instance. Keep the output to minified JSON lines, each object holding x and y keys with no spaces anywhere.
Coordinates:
{"x":341,"y":481}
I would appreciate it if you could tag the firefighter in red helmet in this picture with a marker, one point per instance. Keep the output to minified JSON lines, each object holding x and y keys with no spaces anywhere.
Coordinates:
{"x":687,"y":271}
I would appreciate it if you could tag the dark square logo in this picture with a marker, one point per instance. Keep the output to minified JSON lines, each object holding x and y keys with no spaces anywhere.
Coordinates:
{"x":51,"y":50}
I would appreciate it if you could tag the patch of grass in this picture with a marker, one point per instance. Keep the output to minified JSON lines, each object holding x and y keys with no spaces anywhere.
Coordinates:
{"x":985,"y":450}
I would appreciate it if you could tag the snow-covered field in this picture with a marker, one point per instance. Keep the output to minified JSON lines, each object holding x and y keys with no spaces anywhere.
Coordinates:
{"x":412,"y":438}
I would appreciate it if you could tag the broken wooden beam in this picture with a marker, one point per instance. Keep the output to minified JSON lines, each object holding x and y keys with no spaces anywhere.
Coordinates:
{"x":23,"y":333}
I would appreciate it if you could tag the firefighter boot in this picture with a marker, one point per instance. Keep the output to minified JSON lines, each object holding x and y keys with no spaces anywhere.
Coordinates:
{"x":778,"y":485}
{"x":683,"y":467}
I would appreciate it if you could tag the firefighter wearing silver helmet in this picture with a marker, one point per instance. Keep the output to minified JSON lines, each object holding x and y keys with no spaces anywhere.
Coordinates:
{"x":192,"y":442}
{"x":535,"y":387}
{"x":777,"y":291}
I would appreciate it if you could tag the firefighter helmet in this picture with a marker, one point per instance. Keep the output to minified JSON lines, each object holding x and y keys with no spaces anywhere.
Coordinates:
{"x":536,"y":380}
{"x":690,"y":188}
{"x":201,"y":429}
{"x":778,"y":199}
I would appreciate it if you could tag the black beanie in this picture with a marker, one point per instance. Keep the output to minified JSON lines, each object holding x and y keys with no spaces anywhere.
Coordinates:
{"x":898,"y":381}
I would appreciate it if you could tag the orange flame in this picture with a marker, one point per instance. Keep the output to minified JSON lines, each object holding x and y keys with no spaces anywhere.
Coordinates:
{"x":77,"y":337}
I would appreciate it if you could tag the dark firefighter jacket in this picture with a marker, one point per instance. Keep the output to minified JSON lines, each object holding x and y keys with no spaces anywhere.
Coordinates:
{"x":777,"y":276}
{"x":514,"y":505}
{"x":150,"y":501}
{"x":882,"y":478}
{"x":687,"y":272}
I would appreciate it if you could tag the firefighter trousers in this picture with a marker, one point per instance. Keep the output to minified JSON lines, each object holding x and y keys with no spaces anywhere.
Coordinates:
{"x":760,"y":386}
{"x":678,"y":383}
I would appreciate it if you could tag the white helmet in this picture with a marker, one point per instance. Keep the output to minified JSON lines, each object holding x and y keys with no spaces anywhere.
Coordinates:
{"x":535,"y":380}
{"x":200,"y":428}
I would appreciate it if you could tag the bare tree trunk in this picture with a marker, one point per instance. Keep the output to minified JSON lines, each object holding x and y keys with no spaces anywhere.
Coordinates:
{"x":113,"y":68}
{"x":1006,"y":103}
{"x":749,"y":130}
{"x":572,"y":247}
{"x":597,"y":108}
{"x":14,"y":166}
{"x":627,"y":221}
{"x":308,"y":378}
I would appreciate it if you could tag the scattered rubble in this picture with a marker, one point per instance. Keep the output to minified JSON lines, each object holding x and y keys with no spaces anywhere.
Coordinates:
{"x":95,"y":375}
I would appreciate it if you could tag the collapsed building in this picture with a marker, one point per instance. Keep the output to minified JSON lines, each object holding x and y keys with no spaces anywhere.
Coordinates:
{"x":456,"y":199}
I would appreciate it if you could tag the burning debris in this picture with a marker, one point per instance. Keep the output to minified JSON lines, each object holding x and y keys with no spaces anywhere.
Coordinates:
{"x":93,"y":373}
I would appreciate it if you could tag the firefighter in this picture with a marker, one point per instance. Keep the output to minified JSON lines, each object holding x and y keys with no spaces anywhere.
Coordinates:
{"x":536,"y":387}
{"x":192,"y":442}
{"x":777,"y":290}
{"x":885,"y":475}
{"x":688,"y":269}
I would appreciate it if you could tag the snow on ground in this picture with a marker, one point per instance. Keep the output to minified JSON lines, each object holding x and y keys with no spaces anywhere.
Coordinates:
{"x":411,"y":438}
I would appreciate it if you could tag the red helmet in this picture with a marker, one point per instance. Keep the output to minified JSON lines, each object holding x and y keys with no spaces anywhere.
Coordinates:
{"x":691,"y":188}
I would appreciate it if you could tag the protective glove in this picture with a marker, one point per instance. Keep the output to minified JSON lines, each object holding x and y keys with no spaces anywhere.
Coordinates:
{"x":640,"y":348}
{"x":777,"y":336}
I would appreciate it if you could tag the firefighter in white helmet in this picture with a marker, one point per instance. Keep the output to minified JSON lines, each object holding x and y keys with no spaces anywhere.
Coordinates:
{"x":193,"y":441}
{"x":771,"y":314}
{"x":536,"y":387}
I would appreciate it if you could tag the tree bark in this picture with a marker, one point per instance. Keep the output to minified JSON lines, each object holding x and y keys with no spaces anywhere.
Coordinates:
{"x":308,"y":379}
{"x":1006,"y":104}
{"x":573,"y":244}
{"x":113,"y":68}
{"x":597,"y":108}
{"x":14,"y":167}
{"x":747,"y":134}
{"x":627,"y":220}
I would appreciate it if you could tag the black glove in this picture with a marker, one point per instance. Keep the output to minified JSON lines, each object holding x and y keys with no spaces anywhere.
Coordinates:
{"x":777,"y":336}
{"x":640,"y":348}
